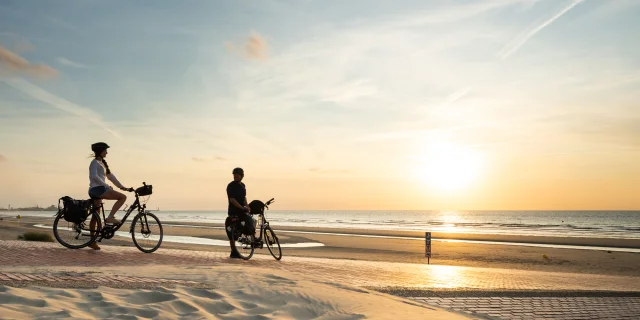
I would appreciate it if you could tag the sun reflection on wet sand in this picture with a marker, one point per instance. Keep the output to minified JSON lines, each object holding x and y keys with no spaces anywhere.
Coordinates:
{"x":443,"y":276}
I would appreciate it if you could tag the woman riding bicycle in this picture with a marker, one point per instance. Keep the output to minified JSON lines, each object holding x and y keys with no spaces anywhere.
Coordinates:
{"x":99,"y":189}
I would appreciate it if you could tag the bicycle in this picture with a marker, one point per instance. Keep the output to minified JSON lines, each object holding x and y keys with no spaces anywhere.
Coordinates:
{"x":86,"y":236}
{"x":245,"y":244}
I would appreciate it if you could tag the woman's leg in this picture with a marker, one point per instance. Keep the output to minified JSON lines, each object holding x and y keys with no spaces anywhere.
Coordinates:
{"x":120,"y":199}
{"x":92,"y":225}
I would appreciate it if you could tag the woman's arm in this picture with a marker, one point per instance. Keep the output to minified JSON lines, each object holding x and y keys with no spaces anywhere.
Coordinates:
{"x":115,"y":181}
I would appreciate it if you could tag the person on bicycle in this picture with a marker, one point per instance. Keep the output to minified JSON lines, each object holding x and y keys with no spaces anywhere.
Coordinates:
{"x":237,"y":195}
{"x":100,"y":189}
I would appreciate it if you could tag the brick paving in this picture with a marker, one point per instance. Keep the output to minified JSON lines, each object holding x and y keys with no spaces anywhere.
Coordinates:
{"x":84,"y":280}
{"x":352,"y":272}
{"x":355,"y":273}
{"x":542,"y":307}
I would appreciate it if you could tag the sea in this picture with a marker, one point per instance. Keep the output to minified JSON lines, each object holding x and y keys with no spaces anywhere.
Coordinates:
{"x":592,"y":224}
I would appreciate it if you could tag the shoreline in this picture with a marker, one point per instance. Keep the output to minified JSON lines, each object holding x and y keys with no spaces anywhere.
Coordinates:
{"x":576,"y":241}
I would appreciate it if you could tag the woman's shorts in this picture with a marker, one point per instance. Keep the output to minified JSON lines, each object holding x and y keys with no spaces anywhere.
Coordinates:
{"x":97,"y":192}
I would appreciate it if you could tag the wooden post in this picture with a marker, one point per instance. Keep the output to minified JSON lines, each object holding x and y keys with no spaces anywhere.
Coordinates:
{"x":427,"y":240}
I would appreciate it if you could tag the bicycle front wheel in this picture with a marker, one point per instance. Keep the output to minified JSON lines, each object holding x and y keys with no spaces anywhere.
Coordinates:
{"x":273,"y":244}
{"x":77,"y":235}
{"x":146,"y":232}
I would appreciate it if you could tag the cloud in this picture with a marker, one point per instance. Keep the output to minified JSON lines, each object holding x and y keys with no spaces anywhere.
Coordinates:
{"x":24,"y":46}
{"x":13,"y":64}
{"x":255,"y":47}
{"x":3,"y":158}
{"x":67,"y":62}
{"x":521,"y":39}
{"x":57,"y":102}
{"x":200,"y":159}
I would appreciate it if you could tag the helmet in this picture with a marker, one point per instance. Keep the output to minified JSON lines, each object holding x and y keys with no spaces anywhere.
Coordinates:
{"x":238,"y":171}
{"x":99,"y":147}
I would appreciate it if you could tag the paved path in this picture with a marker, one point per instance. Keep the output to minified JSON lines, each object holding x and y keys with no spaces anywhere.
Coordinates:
{"x":352,"y":272}
{"x":543,"y":308}
{"x":358,"y":273}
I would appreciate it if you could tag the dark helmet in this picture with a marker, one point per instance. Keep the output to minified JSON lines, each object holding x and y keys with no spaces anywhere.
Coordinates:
{"x":238,"y":171}
{"x":99,"y":147}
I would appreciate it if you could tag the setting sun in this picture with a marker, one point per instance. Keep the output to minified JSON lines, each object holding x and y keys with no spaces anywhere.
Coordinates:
{"x":449,"y":167}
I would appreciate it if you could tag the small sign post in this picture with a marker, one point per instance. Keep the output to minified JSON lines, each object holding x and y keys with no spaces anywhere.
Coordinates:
{"x":427,"y":239}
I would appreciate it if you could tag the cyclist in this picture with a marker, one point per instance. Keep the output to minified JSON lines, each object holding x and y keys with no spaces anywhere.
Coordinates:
{"x":237,"y":194}
{"x":98,"y":187}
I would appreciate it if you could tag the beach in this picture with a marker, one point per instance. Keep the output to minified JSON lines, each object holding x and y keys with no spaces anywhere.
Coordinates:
{"x":326,"y":273}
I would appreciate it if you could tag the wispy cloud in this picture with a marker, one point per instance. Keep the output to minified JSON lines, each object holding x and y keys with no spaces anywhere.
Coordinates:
{"x":255,"y":47}
{"x":63,"y":24}
{"x":3,"y":158}
{"x":67,"y":62}
{"x":13,"y":64}
{"x":57,"y":102}
{"x":513,"y":46}
{"x":201,"y":159}
{"x":24,"y":46}
{"x":521,"y":39}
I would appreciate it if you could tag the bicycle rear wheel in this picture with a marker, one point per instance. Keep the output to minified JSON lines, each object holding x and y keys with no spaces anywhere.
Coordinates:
{"x":76,"y":235}
{"x":273,"y":244}
{"x":243,"y":244}
{"x":147,"y":232}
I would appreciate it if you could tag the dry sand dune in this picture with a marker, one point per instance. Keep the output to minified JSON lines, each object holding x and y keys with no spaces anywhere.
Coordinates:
{"x":240,"y":295}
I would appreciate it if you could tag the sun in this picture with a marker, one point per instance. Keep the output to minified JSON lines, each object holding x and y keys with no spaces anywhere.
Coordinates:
{"x":449,"y":167}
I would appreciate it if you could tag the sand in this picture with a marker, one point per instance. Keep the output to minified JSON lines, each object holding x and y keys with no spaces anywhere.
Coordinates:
{"x":242,"y":293}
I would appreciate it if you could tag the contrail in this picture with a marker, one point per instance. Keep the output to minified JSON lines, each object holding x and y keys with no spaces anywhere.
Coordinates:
{"x":55,"y":101}
{"x":519,"y":41}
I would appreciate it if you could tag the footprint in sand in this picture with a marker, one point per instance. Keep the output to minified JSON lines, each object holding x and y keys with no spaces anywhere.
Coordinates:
{"x":95,"y":296}
{"x":183,"y":308}
{"x":273,"y":280}
{"x":144,"y":313}
{"x":146,"y":297}
{"x":202,"y":293}
{"x":216,"y":307}
{"x":8,"y":298}
{"x":124,"y":317}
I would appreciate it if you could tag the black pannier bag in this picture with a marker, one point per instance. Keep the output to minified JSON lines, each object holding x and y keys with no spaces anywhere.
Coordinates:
{"x":75,"y":211}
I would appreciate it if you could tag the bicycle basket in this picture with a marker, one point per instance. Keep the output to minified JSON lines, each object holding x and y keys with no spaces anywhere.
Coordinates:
{"x":145,"y":190}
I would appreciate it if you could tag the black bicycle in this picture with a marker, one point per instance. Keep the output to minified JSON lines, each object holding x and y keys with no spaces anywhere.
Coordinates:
{"x":245,"y":244}
{"x":146,"y":229}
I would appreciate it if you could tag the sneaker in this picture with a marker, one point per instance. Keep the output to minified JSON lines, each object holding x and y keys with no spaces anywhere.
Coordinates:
{"x":234,"y":255}
{"x":112,"y":221}
{"x":94,"y":246}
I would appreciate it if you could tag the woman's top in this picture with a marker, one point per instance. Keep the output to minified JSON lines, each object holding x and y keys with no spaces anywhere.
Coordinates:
{"x":97,"y":176}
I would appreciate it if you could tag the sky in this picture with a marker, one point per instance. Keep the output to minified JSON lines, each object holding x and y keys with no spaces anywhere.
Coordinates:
{"x":327,"y":105}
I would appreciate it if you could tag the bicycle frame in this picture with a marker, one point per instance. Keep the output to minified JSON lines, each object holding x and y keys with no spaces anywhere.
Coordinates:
{"x":135,"y":205}
{"x":264,"y":224}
